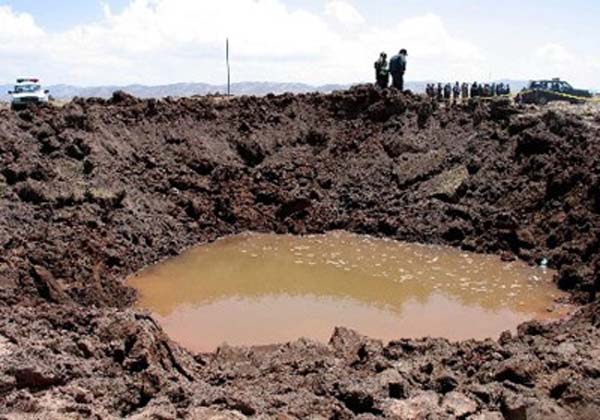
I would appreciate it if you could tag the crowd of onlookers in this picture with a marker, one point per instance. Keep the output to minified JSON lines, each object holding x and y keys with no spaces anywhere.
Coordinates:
{"x":447,"y":92}
{"x":441,"y":92}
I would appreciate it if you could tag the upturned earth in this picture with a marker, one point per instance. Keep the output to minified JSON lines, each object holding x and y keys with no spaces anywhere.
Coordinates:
{"x":94,"y":191}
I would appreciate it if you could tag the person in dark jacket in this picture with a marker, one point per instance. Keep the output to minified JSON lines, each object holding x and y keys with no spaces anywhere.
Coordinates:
{"x":440,"y":92}
{"x":499,"y":89}
{"x":447,"y":92}
{"x":465,"y":91}
{"x":398,"y":68}
{"x":475,"y":92}
{"x":429,"y":90}
{"x":382,"y":73}
{"x":456,"y":92}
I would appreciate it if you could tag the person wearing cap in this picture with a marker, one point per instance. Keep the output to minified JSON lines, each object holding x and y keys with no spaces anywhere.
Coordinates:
{"x":382,"y":73}
{"x":398,"y":68}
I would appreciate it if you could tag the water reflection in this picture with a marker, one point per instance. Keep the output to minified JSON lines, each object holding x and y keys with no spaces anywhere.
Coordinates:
{"x":262,"y":288}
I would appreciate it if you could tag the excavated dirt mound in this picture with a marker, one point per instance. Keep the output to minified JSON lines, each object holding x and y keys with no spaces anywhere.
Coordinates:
{"x":93,"y":191}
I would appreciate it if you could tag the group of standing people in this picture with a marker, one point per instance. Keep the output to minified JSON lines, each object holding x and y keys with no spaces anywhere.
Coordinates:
{"x":396,"y":68}
{"x":476,"y":90}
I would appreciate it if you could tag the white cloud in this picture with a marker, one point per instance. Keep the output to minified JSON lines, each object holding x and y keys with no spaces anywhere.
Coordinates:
{"x":17,"y":25}
{"x":343,"y":12}
{"x":558,"y":60}
{"x":165,"y":41}
{"x":556,"y":53}
{"x":433,"y":53}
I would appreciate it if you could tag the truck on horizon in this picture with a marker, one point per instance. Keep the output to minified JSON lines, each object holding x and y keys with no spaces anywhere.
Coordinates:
{"x":541,"y":92}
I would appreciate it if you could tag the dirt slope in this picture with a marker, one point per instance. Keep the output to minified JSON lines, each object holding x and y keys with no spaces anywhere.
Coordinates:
{"x":94,"y":191}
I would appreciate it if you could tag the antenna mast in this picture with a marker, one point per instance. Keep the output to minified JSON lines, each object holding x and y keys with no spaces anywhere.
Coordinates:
{"x":228,"y":67}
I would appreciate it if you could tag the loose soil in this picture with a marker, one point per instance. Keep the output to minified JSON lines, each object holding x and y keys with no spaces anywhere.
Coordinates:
{"x":94,"y":191}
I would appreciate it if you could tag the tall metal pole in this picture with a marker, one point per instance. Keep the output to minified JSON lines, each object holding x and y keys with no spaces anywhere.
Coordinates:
{"x":228,"y":68}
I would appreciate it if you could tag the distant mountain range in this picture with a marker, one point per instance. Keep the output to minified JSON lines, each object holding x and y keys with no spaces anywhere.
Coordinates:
{"x":179,"y":90}
{"x":189,"y":89}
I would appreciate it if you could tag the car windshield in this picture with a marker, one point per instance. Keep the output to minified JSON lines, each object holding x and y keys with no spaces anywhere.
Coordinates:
{"x":27,"y":88}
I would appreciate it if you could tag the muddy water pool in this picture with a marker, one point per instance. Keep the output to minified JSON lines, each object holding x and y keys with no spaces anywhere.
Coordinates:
{"x":255,"y":289}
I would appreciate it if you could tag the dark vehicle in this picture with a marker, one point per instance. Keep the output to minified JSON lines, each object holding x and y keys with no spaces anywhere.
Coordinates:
{"x":541,"y":92}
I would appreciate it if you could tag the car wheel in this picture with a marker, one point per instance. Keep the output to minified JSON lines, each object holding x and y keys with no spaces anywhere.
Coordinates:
{"x":543,"y":101}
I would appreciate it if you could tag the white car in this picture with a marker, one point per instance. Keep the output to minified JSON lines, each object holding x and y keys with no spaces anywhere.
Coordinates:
{"x":28,"y":91}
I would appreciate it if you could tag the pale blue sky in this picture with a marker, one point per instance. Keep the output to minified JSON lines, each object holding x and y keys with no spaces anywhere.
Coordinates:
{"x":508,"y":39}
{"x":57,"y":15}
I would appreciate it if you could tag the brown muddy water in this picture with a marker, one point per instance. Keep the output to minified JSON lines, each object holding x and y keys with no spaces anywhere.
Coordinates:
{"x":258,"y":289}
